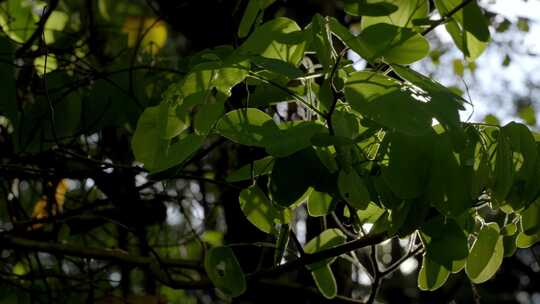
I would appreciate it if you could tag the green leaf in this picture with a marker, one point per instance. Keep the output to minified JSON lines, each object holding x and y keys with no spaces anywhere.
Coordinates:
{"x":319,"y":203}
{"x":510,"y":229}
{"x":224,"y":271}
{"x":474,"y":160}
{"x":325,"y":281}
{"x":486,"y":254}
{"x":408,"y":216}
{"x":169,"y":124}
{"x":280,"y":38}
{"x":259,"y":211}
{"x":528,"y":114}
{"x":221,"y":74}
{"x":383,"y":100}
{"x":394,"y":44}
{"x":293,"y":175}
{"x":54,"y":26}
{"x":158,"y":153}
{"x":391,"y":43}
{"x":278,"y":67}
{"x":321,"y":41}
{"x":326,"y":140}
{"x":445,"y":243}
{"x":526,"y":241}
{"x":407,"y":171}
{"x":346,"y":124}
{"x":523,"y":142}
{"x":293,"y":137}
{"x":523,"y":24}
{"x":248,"y":19}
{"x":442,"y":103}
{"x":509,"y":243}
{"x":447,"y":187}
{"x":177,"y":152}
{"x":530,"y":219}
{"x":354,"y":43}
{"x":404,"y":15}
{"x":213,"y":237}
{"x":260,"y":167}
{"x":247,"y":127}
{"x":432,"y":275}
{"x":492,"y":120}
{"x":369,"y":8}
{"x":327,"y":239}
{"x":524,"y":159}
{"x":504,"y":173}
{"x":353,"y":189}
{"x":370,"y":214}
{"x":468,"y":27}
{"x":18,"y":20}
{"x":326,"y":96}
{"x":207,"y":116}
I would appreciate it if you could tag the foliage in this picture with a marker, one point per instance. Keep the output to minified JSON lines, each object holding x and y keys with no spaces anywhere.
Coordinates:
{"x":382,"y":151}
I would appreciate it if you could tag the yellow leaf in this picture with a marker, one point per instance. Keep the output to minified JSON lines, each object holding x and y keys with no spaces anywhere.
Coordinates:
{"x":60,"y":194}
{"x":152,"y":31}
{"x":41,"y":209}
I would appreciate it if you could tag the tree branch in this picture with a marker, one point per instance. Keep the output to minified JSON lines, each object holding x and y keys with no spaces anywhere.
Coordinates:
{"x":117,"y":256}
{"x":447,"y":16}
{"x":321,"y":255}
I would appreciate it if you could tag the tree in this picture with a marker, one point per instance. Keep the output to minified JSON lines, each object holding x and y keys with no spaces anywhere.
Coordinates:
{"x":223,"y":151}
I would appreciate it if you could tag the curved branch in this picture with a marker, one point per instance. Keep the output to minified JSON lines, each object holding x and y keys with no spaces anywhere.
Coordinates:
{"x":307,"y":259}
{"x":117,"y":256}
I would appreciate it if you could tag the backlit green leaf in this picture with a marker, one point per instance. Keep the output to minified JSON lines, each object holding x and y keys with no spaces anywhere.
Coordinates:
{"x":293,"y":137}
{"x":447,"y":187}
{"x":526,"y":241}
{"x":319,"y":203}
{"x":261,"y":166}
{"x":394,"y":44}
{"x":247,"y":127}
{"x":432,"y":275}
{"x":353,"y":189}
{"x":224,"y":271}
{"x":158,"y":153}
{"x":258,"y":209}
{"x":207,"y":117}
{"x":248,"y":19}
{"x":486,"y":254}
{"x":404,"y":15}
{"x":468,"y":27}
{"x":442,"y":103}
{"x":383,"y":100}
{"x":407,"y":171}
{"x":327,"y":239}
{"x":321,"y":40}
{"x":370,"y":214}
{"x":279,"y":38}
{"x":369,"y":8}
{"x":294,"y":175}
{"x":445,"y":243}
{"x":325,"y":281}
{"x":530,"y":219}
{"x":504,"y":173}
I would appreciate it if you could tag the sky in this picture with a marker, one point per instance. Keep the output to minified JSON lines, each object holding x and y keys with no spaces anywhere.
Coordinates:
{"x":492,"y":89}
{"x":492,"y":86}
